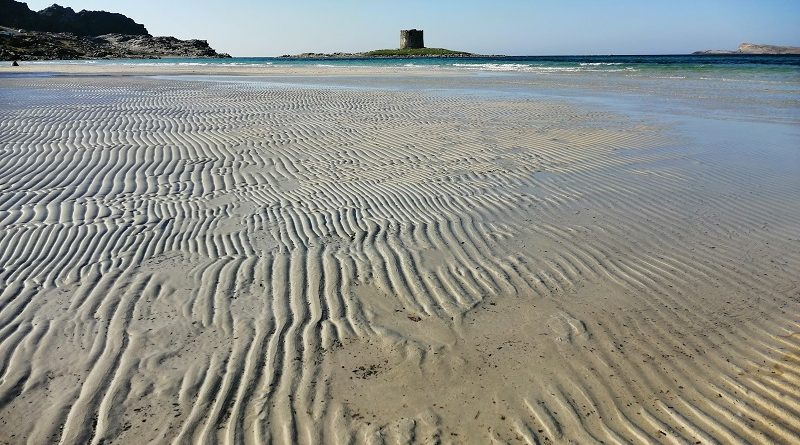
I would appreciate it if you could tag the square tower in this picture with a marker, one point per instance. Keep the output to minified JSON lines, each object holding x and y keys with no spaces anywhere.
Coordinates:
{"x":411,"y":38}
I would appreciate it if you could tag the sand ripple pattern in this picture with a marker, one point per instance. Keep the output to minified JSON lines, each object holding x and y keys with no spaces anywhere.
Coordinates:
{"x":195,"y":262}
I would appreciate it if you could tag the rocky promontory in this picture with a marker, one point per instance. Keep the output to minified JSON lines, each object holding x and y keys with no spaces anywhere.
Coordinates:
{"x":753,"y":49}
{"x":59,"y":33}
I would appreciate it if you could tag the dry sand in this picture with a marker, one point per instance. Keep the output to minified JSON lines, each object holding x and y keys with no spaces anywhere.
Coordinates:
{"x":202,"y":262}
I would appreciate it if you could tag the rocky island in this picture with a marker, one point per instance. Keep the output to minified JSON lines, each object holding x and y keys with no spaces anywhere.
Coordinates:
{"x":412,"y":44}
{"x":753,"y":49}
{"x":60,"y":33}
{"x":386,"y":53}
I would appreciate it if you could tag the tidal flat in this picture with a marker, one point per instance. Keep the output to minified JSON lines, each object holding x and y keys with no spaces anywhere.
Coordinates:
{"x":316,"y":254}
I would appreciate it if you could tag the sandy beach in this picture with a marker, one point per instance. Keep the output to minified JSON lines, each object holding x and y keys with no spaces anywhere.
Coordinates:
{"x":360,"y":255}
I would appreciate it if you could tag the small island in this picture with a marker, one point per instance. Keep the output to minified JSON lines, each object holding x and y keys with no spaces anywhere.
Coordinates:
{"x":412,"y":44}
{"x":386,"y":53}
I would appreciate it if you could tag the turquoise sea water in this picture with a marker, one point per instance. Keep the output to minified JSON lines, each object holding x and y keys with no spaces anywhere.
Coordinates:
{"x":760,"y":86}
{"x":786,"y":67}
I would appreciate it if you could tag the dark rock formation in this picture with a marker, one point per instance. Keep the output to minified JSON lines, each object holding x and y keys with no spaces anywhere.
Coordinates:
{"x":60,"y":19}
{"x":754,"y":49}
{"x":33,"y":45}
{"x":59,"y":33}
{"x":411,"y":39}
{"x":17,"y":15}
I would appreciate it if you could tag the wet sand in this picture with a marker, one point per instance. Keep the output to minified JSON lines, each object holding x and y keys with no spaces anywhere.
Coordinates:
{"x":329,"y":256}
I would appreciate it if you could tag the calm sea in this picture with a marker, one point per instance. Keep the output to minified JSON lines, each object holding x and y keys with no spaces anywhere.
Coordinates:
{"x":780,"y":66}
{"x":758,"y":85}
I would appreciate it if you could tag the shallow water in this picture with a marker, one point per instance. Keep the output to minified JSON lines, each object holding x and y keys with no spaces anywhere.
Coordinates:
{"x":448,"y":256}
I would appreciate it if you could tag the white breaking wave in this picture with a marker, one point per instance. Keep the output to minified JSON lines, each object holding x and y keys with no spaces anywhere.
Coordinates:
{"x":156,"y":62}
{"x":518,"y":67}
{"x":488,"y":66}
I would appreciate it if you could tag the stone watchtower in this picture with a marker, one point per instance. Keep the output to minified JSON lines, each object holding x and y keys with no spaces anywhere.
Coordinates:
{"x":411,"y":38}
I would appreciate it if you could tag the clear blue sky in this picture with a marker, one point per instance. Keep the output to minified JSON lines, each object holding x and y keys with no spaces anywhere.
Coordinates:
{"x":533,"y":27}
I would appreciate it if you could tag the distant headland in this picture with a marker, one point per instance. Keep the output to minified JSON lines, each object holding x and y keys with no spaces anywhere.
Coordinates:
{"x":412,"y":44}
{"x":753,"y":49}
{"x":57,"y":32}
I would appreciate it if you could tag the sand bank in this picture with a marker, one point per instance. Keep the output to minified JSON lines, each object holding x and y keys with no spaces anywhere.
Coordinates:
{"x":197,"y":261}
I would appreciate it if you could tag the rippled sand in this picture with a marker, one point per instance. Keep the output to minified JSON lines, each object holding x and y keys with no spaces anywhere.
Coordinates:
{"x":196,"y":261}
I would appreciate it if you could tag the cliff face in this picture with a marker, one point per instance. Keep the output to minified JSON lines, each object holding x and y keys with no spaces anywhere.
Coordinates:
{"x":57,"y":32}
{"x":60,"y":19}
